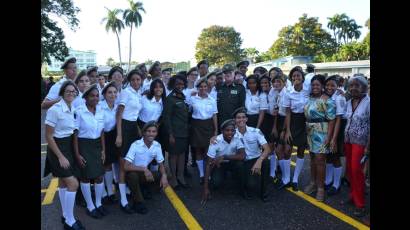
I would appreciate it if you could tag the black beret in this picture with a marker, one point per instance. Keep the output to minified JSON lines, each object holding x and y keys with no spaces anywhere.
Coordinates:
{"x":68,"y":61}
{"x":227,"y":123}
{"x":239,"y":110}
{"x":167,"y":69}
{"x":202,"y":62}
{"x":91,"y":69}
{"x":151,"y":68}
{"x":245,"y":62}
{"x":91,"y":88}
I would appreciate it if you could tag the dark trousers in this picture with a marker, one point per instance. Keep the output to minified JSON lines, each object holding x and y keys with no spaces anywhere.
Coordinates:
{"x":218,"y":175}
{"x":135,"y":181}
{"x":256,"y":182}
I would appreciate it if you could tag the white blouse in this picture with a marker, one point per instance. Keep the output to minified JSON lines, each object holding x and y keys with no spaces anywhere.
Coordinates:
{"x":89,"y":125}
{"x":151,"y":109}
{"x":140,"y":155}
{"x":61,"y":118}
{"x":109,"y":115}
{"x":131,"y":100}
{"x":255,"y":103}
{"x":295,"y":100}
{"x":203,"y":108}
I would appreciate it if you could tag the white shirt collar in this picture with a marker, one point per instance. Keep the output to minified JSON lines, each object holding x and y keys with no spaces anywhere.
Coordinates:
{"x":154,"y":100}
{"x":64,"y":106}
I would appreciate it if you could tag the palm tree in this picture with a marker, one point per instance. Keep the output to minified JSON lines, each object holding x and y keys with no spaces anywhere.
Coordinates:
{"x":334,"y":24}
{"x":115,"y":25}
{"x":353,"y":31}
{"x":132,"y":17}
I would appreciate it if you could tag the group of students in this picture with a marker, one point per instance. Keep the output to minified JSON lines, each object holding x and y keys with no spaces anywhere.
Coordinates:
{"x":120,"y":131}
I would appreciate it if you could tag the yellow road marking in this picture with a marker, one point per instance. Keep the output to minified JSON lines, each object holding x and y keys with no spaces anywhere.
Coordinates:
{"x":183,"y":212}
{"x":51,"y":191}
{"x":330,"y":210}
{"x":43,"y":190}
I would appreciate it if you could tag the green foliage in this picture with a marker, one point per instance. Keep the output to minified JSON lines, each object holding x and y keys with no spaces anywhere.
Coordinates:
{"x":110,"y":62}
{"x":219,"y":45}
{"x":344,"y":28}
{"x":115,"y":25}
{"x":52,"y":36}
{"x":251,"y":54}
{"x":305,"y":38}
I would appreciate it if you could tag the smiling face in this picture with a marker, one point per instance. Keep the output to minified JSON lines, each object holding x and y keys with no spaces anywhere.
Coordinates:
{"x":229,"y":77}
{"x":243,"y":69}
{"x":92,"y":98}
{"x":228,"y":132}
{"x":179,"y":84}
{"x":158,"y":90}
{"x":203,"y":88}
{"x":69,"y":94}
{"x":101,"y":80}
{"x":317,"y":87}
{"x":203,"y":69}
{"x":211,"y":81}
{"x":117,"y":78}
{"x":150,"y":134}
{"x":111,"y":94}
{"x":278,"y":84}
{"x":192,"y":77}
{"x":330,"y":87}
{"x":252,"y":85}
{"x":240,"y":120}
{"x":71,"y":71}
{"x":83,"y":83}
{"x":93,"y":77}
{"x":355,"y":88}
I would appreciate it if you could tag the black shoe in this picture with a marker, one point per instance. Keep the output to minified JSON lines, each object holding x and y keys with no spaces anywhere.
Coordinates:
{"x":102,"y":211}
{"x":328,"y":186}
{"x":281,"y":185}
{"x":294,"y":186}
{"x":345,"y":182}
{"x":333,"y":191}
{"x":140,"y":208}
{"x":201,"y":180}
{"x":359,"y":212}
{"x":127,"y":209}
{"x":62,"y":219}
{"x":76,"y":226}
{"x":94,"y":214}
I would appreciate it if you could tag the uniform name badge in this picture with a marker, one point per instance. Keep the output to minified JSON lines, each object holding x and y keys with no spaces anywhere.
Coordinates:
{"x":234,"y":91}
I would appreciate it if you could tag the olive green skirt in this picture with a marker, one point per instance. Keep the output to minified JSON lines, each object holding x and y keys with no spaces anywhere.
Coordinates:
{"x":130,"y":133}
{"x":90,"y":150}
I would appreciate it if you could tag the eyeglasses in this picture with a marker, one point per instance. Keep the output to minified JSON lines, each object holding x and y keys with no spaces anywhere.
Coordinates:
{"x":70,"y":92}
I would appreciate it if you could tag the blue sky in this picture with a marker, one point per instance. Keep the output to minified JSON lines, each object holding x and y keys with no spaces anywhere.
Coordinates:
{"x":170,"y":29}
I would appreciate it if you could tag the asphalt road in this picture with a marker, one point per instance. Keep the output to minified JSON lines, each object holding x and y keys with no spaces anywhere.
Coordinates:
{"x":226,"y":210}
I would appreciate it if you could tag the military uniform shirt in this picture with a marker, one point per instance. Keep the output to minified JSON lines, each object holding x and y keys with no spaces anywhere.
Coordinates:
{"x":229,"y":98}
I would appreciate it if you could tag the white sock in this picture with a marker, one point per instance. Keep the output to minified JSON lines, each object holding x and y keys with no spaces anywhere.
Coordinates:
{"x":108,"y":177}
{"x":61,"y":195}
{"x":154,"y":168}
{"x":298,"y":169}
{"x":98,"y":193}
{"x":273,"y":165}
{"x":69,"y":201}
{"x":282,"y":168}
{"x":286,"y":164}
{"x":337,"y":173}
{"x":116,"y":170}
{"x":200,"y":164}
{"x":123,"y":195}
{"x":329,"y":173}
{"x":86,"y":191}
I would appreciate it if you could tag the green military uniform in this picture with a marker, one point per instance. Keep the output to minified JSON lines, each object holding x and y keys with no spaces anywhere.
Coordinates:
{"x":176,"y":116}
{"x":229,"y":98}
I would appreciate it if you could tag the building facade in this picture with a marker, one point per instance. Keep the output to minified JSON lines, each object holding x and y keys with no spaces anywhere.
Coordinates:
{"x":84,"y":59}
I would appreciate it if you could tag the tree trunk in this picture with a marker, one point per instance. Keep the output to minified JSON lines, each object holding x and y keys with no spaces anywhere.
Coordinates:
{"x":119,"y":47}
{"x":129,"y":58}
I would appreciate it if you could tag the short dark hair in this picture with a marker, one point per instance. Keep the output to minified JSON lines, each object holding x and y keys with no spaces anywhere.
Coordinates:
{"x":335,"y":78}
{"x":113,"y":70}
{"x":64,"y":86}
{"x":134,"y":72}
{"x":239,"y":110}
{"x":171,"y":82}
{"x":320,"y":78}
{"x":254,"y":77}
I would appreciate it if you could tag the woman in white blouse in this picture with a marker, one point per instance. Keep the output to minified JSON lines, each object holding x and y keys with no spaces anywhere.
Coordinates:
{"x":89,"y":149}
{"x":109,"y":107}
{"x":60,"y":161}
{"x":127,"y":126}
{"x":255,"y":102}
{"x":204,"y":123}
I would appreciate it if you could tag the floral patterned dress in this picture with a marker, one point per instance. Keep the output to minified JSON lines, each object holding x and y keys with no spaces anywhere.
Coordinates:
{"x":318,"y":112}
